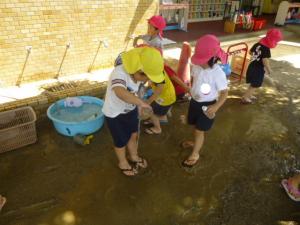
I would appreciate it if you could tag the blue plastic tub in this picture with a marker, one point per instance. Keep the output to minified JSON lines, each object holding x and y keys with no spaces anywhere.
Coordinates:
{"x":85,"y":127}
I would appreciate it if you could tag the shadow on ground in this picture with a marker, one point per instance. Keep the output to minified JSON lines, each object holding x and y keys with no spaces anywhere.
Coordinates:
{"x":237,"y":181}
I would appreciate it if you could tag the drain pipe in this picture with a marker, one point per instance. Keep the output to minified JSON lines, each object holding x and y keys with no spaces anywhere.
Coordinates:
{"x":101,"y":42}
{"x":28,"y":49}
{"x":62,"y":61}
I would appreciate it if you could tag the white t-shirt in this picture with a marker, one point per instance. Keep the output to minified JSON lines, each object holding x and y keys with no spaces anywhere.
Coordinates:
{"x":156,"y":42}
{"x":113,"y":105}
{"x":214,"y":78}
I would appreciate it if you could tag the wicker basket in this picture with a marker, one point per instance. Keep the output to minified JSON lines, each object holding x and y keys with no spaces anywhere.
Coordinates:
{"x":17,"y":128}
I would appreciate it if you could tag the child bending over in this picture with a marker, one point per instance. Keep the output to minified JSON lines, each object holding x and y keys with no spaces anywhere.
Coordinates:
{"x":120,"y":106}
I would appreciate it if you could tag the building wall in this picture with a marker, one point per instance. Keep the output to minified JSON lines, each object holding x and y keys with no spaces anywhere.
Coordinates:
{"x":49,"y":25}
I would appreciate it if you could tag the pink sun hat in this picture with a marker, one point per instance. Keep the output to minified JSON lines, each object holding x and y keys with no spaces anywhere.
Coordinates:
{"x":159,"y":23}
{"x":272,"y":38}
{"x":207,"y":47}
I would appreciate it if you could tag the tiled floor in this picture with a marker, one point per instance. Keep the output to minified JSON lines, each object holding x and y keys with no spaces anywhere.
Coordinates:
{"x":195,"y":30}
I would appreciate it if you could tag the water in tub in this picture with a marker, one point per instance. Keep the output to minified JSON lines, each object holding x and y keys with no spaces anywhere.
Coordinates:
{"x":86,"y":112}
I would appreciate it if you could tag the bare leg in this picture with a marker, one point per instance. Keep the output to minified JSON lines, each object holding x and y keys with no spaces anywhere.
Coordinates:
{"x":123,"y":163}
{"x":199,"y":139}
{"x":250,"y":92}
{"x":163,"y":118}
{"x":132,"y":147}
{"x":156,"y":124}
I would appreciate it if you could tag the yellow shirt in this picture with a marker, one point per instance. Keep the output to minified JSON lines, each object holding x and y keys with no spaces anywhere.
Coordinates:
{"x":168,"y":96}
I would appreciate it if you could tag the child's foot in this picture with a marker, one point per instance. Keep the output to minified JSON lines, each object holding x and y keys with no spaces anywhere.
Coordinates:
{"x":292,"y":191}
{"x":191,"y":161}
{"x":246,"y":101}
{"x":252,"y":97}
{"x":139,"y":162}
{"x":128,"y":170}
{"x":2,"y":202}
{"x":152,"y":130}
{"x":149,"y":122}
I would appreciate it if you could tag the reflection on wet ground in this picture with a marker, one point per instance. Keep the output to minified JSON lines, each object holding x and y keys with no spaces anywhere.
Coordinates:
{"x":245,"y":156}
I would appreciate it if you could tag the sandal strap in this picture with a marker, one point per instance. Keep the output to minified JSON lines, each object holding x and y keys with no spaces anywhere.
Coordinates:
{"x":292,"y":189}
{"x":141,"y":161}
{"x":124,"y":170}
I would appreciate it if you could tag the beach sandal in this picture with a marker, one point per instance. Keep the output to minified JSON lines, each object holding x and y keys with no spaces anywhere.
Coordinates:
{"x":187,"y":144}
{"x":151,"y":131}
{"x":149,"y":123}
{"x":189,"y":163}
{"x":290,"y":190}
{"x":132,"y":169}
{"x":142,"y":163}
{"x":246,"y":101}
{"x":2,"y":202}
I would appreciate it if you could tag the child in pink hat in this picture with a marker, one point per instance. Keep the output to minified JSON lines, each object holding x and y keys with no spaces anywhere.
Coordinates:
{"x":156,"y":25}
{"x":259,"y":63}
{"x":209,"y":92}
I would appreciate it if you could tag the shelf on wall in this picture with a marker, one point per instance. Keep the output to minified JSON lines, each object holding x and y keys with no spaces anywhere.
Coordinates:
{"x":205,"y":19}
{"x":209,"y":4}
{"x":183,"y":11}
{"x":206,"y":11}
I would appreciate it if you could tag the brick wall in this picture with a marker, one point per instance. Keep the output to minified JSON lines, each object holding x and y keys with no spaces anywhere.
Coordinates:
{"x":48,"y":25}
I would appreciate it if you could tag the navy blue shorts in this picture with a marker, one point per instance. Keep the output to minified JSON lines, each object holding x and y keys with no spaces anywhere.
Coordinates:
{"x":159,"y":109}
{"x":197,"y":117}
{"x":255,"y":76}
{"x":122,"y":127}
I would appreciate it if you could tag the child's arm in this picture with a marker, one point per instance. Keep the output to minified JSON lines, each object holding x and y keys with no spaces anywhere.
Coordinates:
{"x":126,"y":96}
{"x":135,"y":40}
{"x":178,"y":81}
{"x":212,"y":109}
{"x":158,"y":90}
{"x":267,"y":65}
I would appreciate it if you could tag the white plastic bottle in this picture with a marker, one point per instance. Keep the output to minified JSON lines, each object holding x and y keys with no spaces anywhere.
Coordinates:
{"x":204,"y":108}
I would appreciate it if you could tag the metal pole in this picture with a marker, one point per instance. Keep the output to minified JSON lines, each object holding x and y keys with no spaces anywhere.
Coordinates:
{"x":62,"y":61}
{"x":28,"y":48}
{"x":92,"y":64}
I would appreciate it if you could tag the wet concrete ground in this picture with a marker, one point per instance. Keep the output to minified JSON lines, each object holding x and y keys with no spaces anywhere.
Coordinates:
{"x":237,"y":181}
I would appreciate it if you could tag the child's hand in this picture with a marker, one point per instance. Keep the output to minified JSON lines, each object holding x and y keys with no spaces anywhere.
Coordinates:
{"x":144,"y":110}
{"x":144,"y":106}
{"x":145,"y":113}
{"x":211,"y":110}
{"x":187,"y":89}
